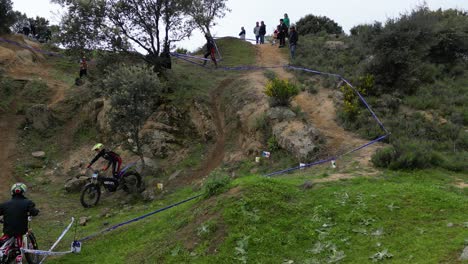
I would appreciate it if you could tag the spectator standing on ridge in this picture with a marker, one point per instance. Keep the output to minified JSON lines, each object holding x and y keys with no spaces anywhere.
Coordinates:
{"x":293,"y":38}
{"x":257,"y":32}
{"x":210,"y":49}
{"x":242,"y":33}
{"x":83,"y":66}
{"x":262,"y":32}
{"x":283,"y":33}
{"x":275,"y":35}
{"x":286,"y":20}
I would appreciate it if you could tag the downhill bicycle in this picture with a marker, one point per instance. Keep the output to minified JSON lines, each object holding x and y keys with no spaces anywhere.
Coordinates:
{"x":10,"y":251}
{"x":127,"y":179}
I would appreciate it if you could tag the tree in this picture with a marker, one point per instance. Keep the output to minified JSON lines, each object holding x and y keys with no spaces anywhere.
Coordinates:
{"x":204,"y":13}
{"x":128,"y":25}
{"x":21,"y":19}
{"x":134,"y":93}
{"x":7,"y":16}
{"x":312,"y":24}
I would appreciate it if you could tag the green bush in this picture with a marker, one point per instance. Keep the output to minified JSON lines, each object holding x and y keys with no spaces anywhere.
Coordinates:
{"x":312,"y":24}
{"x":7,"y":16}
{"x":217,"y":183}
{"x":270,"y":75}
{"x":273,"y":144}
{"x":384,"y":157}
{"x":280,"y":92}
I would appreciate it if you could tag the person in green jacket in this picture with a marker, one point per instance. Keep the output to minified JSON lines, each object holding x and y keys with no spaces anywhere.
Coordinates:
{"x":286,"y":20}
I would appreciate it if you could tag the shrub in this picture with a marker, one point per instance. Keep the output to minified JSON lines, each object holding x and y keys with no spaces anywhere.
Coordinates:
{"x":384,"y":157}
{"x":270,"y":75}
{"x":217,"y":183}
{"x":312,"y":24}
{"x":280,"y":92}
{"x":273,"y":144}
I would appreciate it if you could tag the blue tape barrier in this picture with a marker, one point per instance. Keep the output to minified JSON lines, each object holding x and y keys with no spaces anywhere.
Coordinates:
{"x":137,"y":219}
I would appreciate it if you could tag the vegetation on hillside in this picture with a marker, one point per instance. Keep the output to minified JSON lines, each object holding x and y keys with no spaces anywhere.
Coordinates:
{"x":417,"y":64}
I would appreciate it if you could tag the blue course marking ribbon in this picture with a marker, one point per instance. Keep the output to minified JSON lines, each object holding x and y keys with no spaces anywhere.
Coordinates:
{"x":137,"y":218}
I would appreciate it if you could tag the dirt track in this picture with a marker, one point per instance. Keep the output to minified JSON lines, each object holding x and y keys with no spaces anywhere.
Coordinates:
{"x":9,"y":123}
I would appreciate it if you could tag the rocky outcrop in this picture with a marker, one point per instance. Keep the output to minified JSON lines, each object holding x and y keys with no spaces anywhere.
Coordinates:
{"x":299,"y":138}
{"x":76,"y":184}
{"x":202,"y":121}
{"x":39,"y":117}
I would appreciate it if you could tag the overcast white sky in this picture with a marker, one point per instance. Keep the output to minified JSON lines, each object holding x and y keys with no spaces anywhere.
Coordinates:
{"x":347,"y":13}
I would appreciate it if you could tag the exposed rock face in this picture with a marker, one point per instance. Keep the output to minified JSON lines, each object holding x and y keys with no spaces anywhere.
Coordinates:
{"x":40,"y":117}
{"x":279,"y":114}
{"x":102,"y":117}
{"x":7,"y":56}
{"x":301,"y":139}
{"x":202,"y":121}
{"x":75,"y":184}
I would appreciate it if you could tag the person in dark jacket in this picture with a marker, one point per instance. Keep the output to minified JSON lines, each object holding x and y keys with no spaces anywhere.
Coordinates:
{"x":262,"y":32}
{"x":15,"y":214}
{"x":293,"y":38}
{"x":283,"y":33}
{"x":210,"y":49}
{"x":242,"y":33}
{"x":113,"y":158}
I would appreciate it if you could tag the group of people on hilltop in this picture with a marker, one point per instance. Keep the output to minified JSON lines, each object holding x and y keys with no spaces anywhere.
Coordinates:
{"x":283,"y":30}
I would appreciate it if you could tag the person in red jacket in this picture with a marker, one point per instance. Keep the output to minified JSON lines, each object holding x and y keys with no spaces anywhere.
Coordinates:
{"x":113,"y":158}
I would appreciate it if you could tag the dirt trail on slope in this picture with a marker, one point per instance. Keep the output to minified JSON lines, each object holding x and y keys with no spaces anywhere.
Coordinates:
{"x":216,"y":155}
{"x":9,"y":123}
{"x":319,"y":108}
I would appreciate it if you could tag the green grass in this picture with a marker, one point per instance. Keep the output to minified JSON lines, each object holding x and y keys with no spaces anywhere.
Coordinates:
{"x":274,"y":220}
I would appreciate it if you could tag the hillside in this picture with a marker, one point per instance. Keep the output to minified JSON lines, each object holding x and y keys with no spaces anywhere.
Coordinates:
{"x":213,"y":125}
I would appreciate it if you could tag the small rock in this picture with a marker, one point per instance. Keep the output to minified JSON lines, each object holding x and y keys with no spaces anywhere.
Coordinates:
{"x":38,"y":154}
{"x":148,"y":195}
{"x":75,"y":185}
{"x":83,"y":220}
{"x":450,"y":225}
{"x":464,"y":255}
{"x":105,"y":212}
{"x":307,"y":185}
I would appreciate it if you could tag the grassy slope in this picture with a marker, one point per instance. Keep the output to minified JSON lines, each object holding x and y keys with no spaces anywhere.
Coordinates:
{"x":270,"y":220}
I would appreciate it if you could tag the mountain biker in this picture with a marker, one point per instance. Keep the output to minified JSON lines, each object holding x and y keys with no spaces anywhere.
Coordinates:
{"x":15,"y":215}
{"x":210,"y":49}
{"x":108,"y":155}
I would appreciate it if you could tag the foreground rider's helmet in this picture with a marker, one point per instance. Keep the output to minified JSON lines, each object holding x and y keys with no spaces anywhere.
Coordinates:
{"x":18,"y":188}
{"x":98,"y":146}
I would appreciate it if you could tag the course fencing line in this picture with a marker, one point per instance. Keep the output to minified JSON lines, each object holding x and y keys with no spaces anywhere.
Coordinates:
{"x":137,"y":219}
{"x":175,"y":54}
{"x":49,"y":252}
{"x":366,"y":104}
{"x":328,"y":159}
{"x":50,"y":53}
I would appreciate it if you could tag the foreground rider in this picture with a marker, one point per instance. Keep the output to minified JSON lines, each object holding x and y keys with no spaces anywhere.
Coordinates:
{"x":112,"y":157}
{"x":15,"y":215}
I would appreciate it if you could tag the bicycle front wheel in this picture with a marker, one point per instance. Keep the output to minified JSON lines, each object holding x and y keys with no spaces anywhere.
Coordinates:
{"x":90,"y":195}
{"x":32,"y":244}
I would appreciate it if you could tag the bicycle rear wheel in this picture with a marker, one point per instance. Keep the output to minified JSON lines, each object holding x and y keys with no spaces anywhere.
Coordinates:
{"x":32,"y":244}
{"x":90,"y":195}
{"x":131,"y":182}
